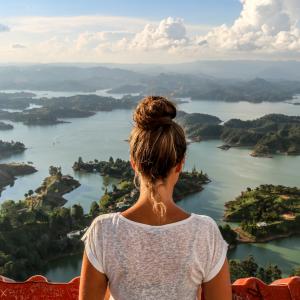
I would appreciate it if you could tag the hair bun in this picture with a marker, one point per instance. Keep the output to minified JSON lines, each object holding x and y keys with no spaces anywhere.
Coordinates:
{"x":153,"y":112}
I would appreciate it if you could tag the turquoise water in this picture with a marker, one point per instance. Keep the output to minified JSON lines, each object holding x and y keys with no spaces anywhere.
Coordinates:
{"x":104,"y":134}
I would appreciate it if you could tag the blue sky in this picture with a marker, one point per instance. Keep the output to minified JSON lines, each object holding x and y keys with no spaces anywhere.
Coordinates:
{"x":156,"y":31}
{"x":211,"y":12}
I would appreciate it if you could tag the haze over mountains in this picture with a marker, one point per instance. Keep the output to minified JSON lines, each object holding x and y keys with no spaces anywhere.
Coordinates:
{"x":225,"y":69}
{"x":253,"y":81}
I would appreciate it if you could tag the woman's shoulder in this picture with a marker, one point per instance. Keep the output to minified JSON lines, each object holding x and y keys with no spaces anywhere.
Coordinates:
{"x":99,"y":224}
{"x":104,"y":218}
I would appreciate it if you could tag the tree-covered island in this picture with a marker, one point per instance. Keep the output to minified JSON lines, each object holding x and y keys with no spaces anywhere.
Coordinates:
{"x":124,"y":194}
{"x":5,"y":126}
{"x":51,"y":111}
{"x":16,"y":101}
{"x":10,"y":148}
{"x":8,"y":173}
{"x":265,"y":213}
{"x":52,"y":189}
{"x":268,"y":135}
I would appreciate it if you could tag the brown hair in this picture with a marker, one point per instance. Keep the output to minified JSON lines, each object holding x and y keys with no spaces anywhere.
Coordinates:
{"x":157,"y":143}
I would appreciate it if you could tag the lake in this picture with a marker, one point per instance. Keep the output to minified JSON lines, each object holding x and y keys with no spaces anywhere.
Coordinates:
{"x":103,"y":135}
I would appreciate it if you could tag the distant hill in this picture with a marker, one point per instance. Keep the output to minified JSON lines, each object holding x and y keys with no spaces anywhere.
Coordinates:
{"x":225,"y":69}
{"x":198,"y":80}
{"x":65,"y":78}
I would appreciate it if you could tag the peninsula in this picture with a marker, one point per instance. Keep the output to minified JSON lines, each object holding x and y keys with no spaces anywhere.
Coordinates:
{"x":10,"y":148}
{"x":8,"y":173}
{"x":51,"y":111}
{"x":265,"y":213}
{"x":51,"y":191}
{"x":5,"y":126}
{"x":268,"y":135}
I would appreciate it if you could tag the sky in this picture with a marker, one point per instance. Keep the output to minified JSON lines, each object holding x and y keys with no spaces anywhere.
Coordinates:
{"x":118,"y":31}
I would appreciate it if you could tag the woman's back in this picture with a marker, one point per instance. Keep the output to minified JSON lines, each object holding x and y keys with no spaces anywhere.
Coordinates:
{"x":162,"y":262}
{"x":155,"y":262}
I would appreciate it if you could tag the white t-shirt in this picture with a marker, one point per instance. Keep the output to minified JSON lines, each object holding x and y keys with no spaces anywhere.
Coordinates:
{"x":146,"y":262}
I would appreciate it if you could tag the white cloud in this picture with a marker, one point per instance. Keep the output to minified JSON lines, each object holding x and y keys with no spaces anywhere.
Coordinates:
{"x":264,"y":29}
{"x":170,"y":33}
{"x":264,"y":26}
{"x":92,"y":40}
{"x":46,"y":25}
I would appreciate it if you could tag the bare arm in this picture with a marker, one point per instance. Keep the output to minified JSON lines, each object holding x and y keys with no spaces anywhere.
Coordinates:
{"x":93,"y":284}
{"x":220,"y":286}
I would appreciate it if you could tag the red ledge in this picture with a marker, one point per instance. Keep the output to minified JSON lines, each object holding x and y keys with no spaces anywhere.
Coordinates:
{"x":38,"y":287}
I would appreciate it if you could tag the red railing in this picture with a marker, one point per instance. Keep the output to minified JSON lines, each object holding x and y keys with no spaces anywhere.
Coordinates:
{"x":37,"y":287}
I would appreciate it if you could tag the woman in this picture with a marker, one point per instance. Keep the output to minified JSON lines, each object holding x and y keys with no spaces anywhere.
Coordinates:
{"x":155,"y":249}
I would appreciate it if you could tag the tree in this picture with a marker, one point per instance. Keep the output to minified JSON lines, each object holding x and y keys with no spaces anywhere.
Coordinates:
{"x":244,"y":268}
{"x":269,"y":274}
{"x":95,"y":209}
{"x":9,"y":209}
{"x":296,"y":272}
{"x":228,"y":234}
{"x":105,"y":183}
{"x":194,"y":170}
{"x":52,"y":170}
{"x":5,"y":224}
{"x":249,"y":268}
{"x":77,"y":212}
{"x":104,"y":201}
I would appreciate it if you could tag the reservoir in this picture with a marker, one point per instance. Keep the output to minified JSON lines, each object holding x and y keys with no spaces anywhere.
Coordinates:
{"x":104,"y":134}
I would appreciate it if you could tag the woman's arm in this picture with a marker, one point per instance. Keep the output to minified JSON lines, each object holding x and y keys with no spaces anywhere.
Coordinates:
{"x":93,"y":284}
{"x":220,"y":286}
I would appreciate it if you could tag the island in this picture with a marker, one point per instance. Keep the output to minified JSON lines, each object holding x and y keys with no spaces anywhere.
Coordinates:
{"x":10,"y":148}
{"x":16,"y":101}
{"x":270,"y":134}
{"x":8,"y":173}
{"x":199,"y":126}
{"x":266,"y":136}
{"x":52,"y":189}
{"x":124,"y":194}
{"x":5,"y":126}
{"x":51,"y":111}
{"x":265,"y":213}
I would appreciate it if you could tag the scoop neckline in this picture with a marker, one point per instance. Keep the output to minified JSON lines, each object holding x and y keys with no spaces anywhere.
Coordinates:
{"x":156,"y":226}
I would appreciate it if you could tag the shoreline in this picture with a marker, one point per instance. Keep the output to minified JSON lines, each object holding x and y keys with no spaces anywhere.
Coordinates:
{"x":248,"y":240}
